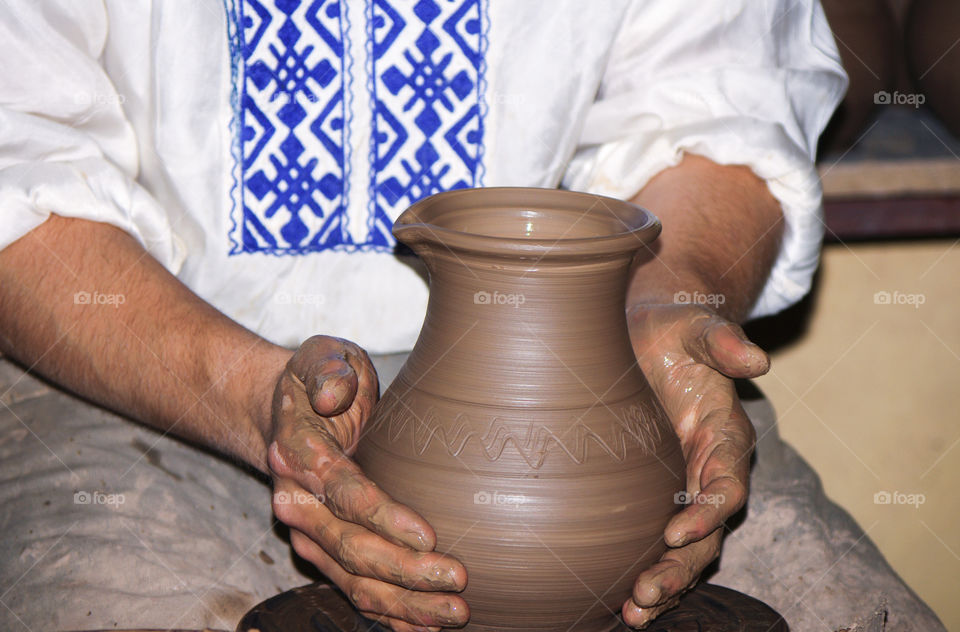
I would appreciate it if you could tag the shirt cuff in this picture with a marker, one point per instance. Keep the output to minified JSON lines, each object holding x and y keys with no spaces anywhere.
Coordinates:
{"x":91,"y":189}
{"x":621,"y":168}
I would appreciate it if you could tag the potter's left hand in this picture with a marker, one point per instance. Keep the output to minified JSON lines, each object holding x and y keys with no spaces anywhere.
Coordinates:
{"x":378,"y":552}
{"x":689,"y":354}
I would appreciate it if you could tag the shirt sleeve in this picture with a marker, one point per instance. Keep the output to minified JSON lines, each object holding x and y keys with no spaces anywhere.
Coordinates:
{"x":66,"y":146}
{"x":739,"y":82}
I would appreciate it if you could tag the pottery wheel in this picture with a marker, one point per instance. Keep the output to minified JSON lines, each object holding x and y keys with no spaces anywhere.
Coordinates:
{"x":321,"y":608}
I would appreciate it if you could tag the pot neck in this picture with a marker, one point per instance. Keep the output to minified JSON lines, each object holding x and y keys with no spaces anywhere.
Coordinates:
{"x":527,"y":294}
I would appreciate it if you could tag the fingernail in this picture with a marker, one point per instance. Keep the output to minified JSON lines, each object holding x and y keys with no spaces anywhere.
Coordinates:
{"x":441,"y":578}
{"x":638,"y":617}
{"x":453,"y":615}
{"x":677,"y":538}
{"x":338,"y":388}
{"x":656,"y":593}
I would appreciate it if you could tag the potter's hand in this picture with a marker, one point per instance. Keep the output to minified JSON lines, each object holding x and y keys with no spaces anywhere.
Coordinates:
{"x":379,"y":552}
{"x":688,"y":354}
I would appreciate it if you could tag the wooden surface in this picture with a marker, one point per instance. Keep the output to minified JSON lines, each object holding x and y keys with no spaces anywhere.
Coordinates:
{"x":892,"y":218}
{"x":891,"y":178}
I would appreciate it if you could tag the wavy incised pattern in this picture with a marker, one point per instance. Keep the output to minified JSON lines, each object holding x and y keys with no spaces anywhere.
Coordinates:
{"x":635,"y":426}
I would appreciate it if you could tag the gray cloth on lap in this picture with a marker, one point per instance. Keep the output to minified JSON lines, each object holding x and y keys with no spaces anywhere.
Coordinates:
{"x":108,"y":524}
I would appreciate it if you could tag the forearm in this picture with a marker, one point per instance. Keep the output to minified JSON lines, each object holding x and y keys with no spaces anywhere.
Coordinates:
{"x":151,"y":349}
{"x":721,"y":234}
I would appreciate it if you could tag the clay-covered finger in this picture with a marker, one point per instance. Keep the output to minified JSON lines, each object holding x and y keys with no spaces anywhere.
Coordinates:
{"x":321,"y":364}
{"x":708,"y":510}
{"x":363,"y":553}
{"x":639,"y":618}
{"x":430,"y":609}
{"x":426,"y":609}
{"x":333,"y":477}
{"x":723,"y":471}
{"x":724,"y":346}
{"x":676,"y":572}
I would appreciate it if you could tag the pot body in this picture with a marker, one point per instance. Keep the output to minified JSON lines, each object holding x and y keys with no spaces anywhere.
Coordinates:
{"x":520,"y":426}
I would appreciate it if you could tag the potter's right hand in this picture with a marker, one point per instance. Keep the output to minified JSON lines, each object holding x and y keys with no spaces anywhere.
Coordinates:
{"x":379,"y":552}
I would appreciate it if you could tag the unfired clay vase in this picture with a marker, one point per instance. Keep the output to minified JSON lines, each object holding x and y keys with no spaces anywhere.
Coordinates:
{"x":520,"y":426}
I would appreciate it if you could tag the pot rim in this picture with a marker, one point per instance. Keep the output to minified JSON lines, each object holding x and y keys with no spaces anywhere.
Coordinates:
{"x":417,"y":223}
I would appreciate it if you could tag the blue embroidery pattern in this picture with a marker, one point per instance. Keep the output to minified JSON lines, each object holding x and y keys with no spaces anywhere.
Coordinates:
{"x":292,"y":98}
{"x":434,"y":96}
{"x":292,"y":125}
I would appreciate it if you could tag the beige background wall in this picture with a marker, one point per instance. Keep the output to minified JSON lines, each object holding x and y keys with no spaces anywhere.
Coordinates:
{"x":869,"y":394}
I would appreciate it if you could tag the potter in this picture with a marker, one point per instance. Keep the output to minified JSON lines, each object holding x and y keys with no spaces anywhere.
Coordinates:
{"x":245,"y":217}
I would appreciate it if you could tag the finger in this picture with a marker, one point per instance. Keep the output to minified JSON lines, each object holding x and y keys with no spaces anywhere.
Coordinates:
{"x":724,"y":346}
{"x":676,"y":572}
{"x":331,"y":381}
{"x":709,"y":509}
{"x":319,"y":466}
{"x":362,"y":552}
{"x":734,"y":354}
{"x":373,"y":596}
{"x":639,"y":618}
{"x":718,"y":475}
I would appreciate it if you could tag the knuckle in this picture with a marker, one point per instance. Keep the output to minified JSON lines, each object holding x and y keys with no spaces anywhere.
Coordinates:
{"x":348,"y":556}
{"x":361,"y":598}
{"x":301,"y":545}
{"x":689,"y":571}
{"x":713,"y":550}
{"x":284,"y":511}
{"x":737,"y":492}
{"x":322,"y":533}
{"x":743,"y":430}
{"x":316,"y":341}
{"x":406,"y":571}
{"x":276,"y":459}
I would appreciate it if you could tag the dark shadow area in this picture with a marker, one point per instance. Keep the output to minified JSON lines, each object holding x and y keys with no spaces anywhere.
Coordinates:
{"x":304,"y":567}
{"x":783,"y":330}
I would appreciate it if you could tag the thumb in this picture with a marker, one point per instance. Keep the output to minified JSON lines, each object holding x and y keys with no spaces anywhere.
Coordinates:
{"x":322,"y":363}
{"x":724,"y":347}
{"x":333,"y":387}
{"x":732,"y":353}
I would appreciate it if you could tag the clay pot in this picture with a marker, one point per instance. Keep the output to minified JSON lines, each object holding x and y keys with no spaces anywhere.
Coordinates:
{"x":520,"y":426}
{"x":934,"y":57}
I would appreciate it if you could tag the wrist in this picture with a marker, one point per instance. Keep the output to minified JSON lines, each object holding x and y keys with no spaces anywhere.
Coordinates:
{"x":248,"y":395}
{"x":272,"y":363}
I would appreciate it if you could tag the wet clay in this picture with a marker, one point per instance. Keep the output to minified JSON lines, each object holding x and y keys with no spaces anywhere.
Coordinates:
{"x":520,"y":426}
